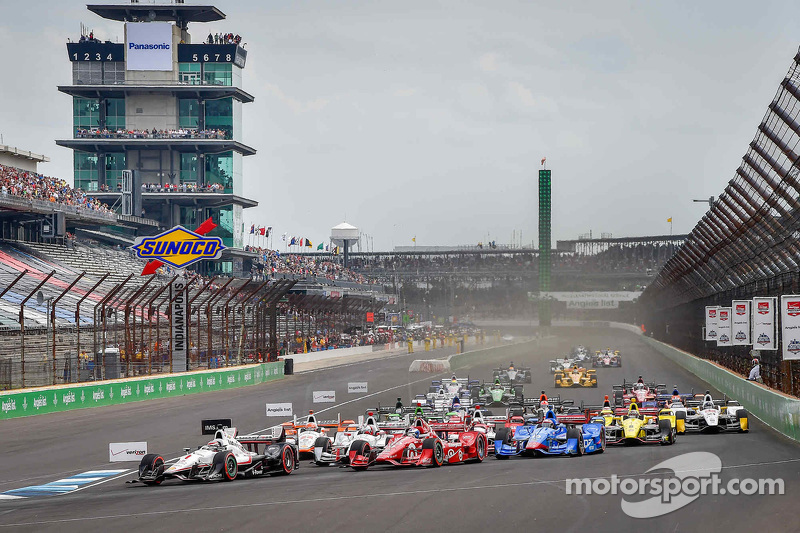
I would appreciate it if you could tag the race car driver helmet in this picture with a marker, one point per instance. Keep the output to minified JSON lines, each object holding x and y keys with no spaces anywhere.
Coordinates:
{"x":640,"y":380}
{"x":412,"y":432}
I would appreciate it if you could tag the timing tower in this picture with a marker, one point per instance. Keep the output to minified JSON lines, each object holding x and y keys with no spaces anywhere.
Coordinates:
{"x":170,"y":111}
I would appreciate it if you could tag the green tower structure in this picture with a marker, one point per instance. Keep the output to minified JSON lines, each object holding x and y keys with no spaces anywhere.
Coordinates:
{"x":545,"y":261}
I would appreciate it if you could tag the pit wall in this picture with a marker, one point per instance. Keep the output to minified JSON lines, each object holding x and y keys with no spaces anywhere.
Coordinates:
{"x":778,"y":410}
{"x":15,"y":404}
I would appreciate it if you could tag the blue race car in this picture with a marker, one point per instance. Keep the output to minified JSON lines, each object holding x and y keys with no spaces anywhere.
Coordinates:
{"x":550,"y":436}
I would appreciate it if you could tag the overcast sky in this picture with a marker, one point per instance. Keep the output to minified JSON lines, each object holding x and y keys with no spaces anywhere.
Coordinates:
{"x":430,"y":118}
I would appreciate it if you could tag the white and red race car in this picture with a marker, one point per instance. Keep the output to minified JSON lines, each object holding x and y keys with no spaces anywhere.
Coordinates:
{"x":224,"y":458}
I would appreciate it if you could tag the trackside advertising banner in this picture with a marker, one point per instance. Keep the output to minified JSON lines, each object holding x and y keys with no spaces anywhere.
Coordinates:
{"x":741,"y":322}
{"x":148,"y":46}
{"x":712,"y":323}
{"x":765,"y":325}
{"x":790,"y":326}
{"x":724,"y":326}
{"x":56,"y":399}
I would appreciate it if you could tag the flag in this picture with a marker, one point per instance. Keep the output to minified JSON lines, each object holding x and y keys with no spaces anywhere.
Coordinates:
{"x":262,"y":231}
{"x":269,"y":230}
{"x":252,"y":228}
{"x":335,"y":250}
{"x":543,"y":160}
{"x":480,"y":245}
{"x":308,"y":243}
{"x":283,"y":237}
{"x":414,"y":238}
{"x":326,"y":247}
{"x":320,"y":246}
{"x":669,"y":219}
{"x":291,"y":243}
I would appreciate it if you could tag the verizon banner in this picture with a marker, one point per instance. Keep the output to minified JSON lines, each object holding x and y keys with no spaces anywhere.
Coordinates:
{"x":741,"y":322}
{"x":764,"y":324}
{"x":724,"y":326}
{"x":790,"y":326}
{"x":711,"y":323}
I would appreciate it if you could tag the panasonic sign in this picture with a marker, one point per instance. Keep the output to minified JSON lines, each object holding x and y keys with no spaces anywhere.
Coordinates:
{"x":148,"y":46}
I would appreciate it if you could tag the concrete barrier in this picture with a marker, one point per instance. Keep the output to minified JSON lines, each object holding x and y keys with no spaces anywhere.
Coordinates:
{"x":328,"y":354}
{"x":778,"y":410}
{"x":30,"y":402}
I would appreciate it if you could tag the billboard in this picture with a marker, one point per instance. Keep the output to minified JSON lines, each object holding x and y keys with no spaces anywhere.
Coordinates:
{"x":711,"y":322}
{"x":724,"y":326}
{"x":148,"y":45}
{"x":764,"y":323}
{"x":742,"y":313}
{"x":178,"y":324}
{"x":790,"y":327}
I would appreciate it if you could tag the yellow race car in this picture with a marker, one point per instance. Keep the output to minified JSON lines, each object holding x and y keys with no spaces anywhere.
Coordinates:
{"x":576,"y":377}
{"x":633,"y":426}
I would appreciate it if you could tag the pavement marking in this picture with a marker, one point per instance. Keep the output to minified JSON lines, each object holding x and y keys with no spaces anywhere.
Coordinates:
{"x":65,"y":485}
{"x":556,"y":482}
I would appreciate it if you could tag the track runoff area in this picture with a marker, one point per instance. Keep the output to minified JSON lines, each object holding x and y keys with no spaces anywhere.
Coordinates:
{"x":68,"y":452}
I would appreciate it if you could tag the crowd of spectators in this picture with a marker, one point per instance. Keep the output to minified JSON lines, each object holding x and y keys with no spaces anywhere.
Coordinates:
{"x":272,"y":263}
{"x":32,"y":186}
{"x":182,"y":133}
{"x":223,"y":38}
{"x":182,"y":187}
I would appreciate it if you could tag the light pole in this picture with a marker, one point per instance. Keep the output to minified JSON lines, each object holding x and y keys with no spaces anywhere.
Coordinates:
{"x":710,"y":201}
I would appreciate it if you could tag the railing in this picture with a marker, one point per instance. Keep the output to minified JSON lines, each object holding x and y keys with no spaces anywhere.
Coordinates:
{"x":45,"y":206}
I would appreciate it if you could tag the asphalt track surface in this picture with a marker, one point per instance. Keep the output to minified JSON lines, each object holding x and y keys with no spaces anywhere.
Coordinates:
{"x":520,"y":492}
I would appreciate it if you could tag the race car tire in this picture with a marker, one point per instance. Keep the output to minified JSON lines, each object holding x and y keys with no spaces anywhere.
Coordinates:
{"x":481,"y":445}
{"x":680,"y":422}
{"x":475,"y":393}
{"x":618,"y":397}
{"x":152,"y":461}
{"x":361,"y":447}
{"x":666,"y":432}
{"x":288,"y":461}
{"x":325,"y":444}
{"x":503,"y":435}
{"x":744,"y":420}
{"x":518,"y":393}
{"x":224,"y":463}
{"x":574,"y":433}
{"x":437,"y":456}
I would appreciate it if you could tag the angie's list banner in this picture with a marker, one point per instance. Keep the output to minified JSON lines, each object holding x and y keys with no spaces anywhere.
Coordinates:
{"x":724,"y":326}
{"x":711,"y":323}
{"x":741,"y":322}
{"x":764,"y":324}
{"x":790,"y":326}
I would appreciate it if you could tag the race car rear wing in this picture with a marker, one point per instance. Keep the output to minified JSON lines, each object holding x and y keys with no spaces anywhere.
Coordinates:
{"x":253,"y":441}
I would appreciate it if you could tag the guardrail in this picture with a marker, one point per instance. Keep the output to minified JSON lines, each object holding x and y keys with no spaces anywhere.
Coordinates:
{"x":101,"y":393}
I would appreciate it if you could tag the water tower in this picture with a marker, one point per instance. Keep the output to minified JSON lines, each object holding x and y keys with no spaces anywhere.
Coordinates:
{"x":343,"y":235}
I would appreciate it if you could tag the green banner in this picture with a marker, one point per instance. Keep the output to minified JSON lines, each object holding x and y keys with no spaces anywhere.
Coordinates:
{"x":56,"y":399}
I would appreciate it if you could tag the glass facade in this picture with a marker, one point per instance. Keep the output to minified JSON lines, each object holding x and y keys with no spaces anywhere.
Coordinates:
{"x":223,"y":218}
{"x":85,"y":171}
{"x":85,"y":113}
{"x":115,"y":164}
{"x":219,"y":170}
{"x":219,"y":116}
{"x":98,"y":73}
{"x":188,"y":217}
{"x":115,"y":114}
{"x":188,"y":113}
{"x":188,"y":168}
{"x":218,"y":74}
{"x":189,"y":73}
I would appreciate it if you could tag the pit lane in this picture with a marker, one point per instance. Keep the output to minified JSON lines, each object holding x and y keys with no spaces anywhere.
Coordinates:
{"x":474,"y":497}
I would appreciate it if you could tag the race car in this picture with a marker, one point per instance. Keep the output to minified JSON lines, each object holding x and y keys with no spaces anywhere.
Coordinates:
{"x":576,"y":377}
{"x":305,"y":433}
{"x":710,"y":416}
{"x":580,"y":353}
{"x":607,"y":359}
{"x":441,"y":393}
{"x":633,"y":426}
{"x":512,"y":374}
{"x":224,"y":458}
{"x":422,"y":445}
{"x":328,"y":451}
{"x":496,"y":394}
{"x":644,"y":393}
{"x":562,"y":365}
{"x":551,"y":435}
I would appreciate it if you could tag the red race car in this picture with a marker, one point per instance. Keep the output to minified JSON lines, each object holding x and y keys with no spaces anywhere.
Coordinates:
{"x":424,"y":444}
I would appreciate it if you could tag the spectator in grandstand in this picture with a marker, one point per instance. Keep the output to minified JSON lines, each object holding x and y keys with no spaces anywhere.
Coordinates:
{"x":33,"y":186}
